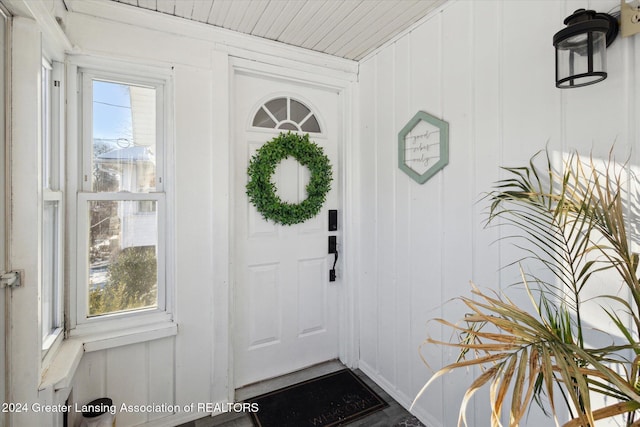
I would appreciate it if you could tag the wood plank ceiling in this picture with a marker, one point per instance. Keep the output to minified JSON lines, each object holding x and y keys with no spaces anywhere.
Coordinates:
{"x":345,"y":28}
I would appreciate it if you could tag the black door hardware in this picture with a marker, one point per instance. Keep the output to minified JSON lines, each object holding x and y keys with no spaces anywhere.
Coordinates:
{"x":333,"y":249}
{"x":333,"y":219}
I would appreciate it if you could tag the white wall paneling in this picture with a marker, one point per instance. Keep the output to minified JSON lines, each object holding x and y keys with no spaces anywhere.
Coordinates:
{"x":143,"y":367}
{"x":221,"y":222}
{"x":489,"y":72}
{"x":195,"y":277}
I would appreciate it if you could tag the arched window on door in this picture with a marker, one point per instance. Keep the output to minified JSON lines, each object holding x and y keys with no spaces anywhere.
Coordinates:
{"x":286,"y":113}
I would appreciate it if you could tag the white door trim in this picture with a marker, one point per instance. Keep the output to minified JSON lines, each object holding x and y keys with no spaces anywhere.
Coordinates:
{"x":347,"y":310}
{"x":4,"y":223}
{"x":310,"y":78}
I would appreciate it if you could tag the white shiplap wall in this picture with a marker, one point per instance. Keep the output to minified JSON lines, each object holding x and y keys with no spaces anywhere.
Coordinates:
{"x":144,"y":367}
{"x":487,"y":68}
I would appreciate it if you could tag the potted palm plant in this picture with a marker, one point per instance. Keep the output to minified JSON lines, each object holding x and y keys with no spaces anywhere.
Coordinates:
{"x":574,"y":222}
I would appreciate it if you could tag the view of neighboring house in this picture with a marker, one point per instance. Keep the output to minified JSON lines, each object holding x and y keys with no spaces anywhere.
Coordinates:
{"x":133,"y":168}
{"x":123,"y":163}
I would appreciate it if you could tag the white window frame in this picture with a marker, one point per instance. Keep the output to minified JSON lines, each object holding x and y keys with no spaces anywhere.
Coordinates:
{"x":52,"y":131}
{"x":119,"y":324}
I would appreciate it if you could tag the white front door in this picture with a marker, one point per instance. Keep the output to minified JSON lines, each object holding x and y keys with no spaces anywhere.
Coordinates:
{"x":285,"y":308}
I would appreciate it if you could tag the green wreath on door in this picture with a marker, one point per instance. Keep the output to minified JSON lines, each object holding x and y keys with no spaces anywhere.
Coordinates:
{"x":263,"y":193}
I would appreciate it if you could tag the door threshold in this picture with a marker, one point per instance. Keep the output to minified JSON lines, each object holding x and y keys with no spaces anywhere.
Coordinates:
{"x":268,"y":385}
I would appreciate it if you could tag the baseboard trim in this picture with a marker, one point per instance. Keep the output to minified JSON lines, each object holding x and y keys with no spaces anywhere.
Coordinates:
{"x":422,"y":414}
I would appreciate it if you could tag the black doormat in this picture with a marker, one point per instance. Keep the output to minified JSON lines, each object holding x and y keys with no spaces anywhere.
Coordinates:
{"x":330,"y":400}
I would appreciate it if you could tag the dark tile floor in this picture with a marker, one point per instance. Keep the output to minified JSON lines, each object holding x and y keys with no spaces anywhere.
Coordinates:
{"x":393,"y":416}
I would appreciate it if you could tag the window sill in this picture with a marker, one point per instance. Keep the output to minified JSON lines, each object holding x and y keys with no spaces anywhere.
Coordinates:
{"x":153,"y":331}
{"x":63,"y":365}
{"x":65,"y":362}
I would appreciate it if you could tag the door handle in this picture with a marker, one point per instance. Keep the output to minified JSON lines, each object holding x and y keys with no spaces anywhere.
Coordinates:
{"x":333,"y":249}
{"x":332,"y":272}
{"x":333,"y":245}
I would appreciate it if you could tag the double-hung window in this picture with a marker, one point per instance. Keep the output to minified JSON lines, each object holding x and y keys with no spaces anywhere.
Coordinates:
{"x":51,"y":299}
{"x":121,"y":204}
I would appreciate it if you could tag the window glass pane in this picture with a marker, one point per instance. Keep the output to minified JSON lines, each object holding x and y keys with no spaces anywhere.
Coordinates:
{"x":47,"y":157}
{"x":123,"y":266}
{"x":278,"y":108}
{"x":298,"y":111}
{"x":262,"y":120}
{"x":146,"y":206}
{"x":124,"y":138}
{"x":311,"y":125}
{"x":50,"y":273}
{"x":288,"y":126}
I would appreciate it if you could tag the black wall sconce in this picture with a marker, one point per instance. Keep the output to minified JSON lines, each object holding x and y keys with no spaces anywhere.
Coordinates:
{"x":581,"y":48}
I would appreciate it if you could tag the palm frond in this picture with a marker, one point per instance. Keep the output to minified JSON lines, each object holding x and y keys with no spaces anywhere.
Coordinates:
{"x":573,"y":222}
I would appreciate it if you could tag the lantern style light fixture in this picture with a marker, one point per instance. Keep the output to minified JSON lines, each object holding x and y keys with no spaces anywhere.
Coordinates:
{"x":581,"y":47}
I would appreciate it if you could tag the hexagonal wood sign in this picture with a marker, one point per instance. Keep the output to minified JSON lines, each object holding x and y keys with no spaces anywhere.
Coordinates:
{"x":423,"y":146}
